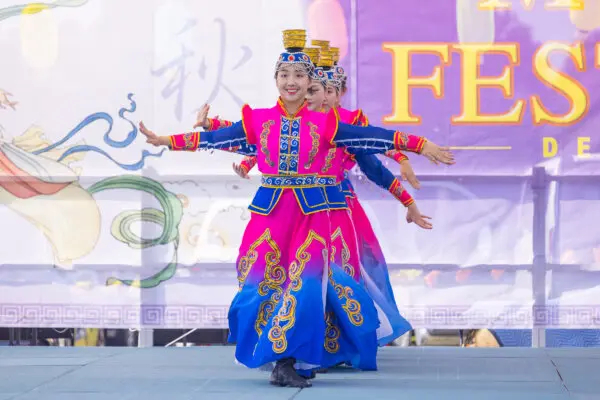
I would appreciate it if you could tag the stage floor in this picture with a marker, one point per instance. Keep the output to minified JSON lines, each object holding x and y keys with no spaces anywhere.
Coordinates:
{"x":49,"y":373}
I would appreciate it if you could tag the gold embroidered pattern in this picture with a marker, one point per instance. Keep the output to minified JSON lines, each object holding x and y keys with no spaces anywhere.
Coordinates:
{"x":329,"y":159}
{"x":398,"y":190}
{"x":401,"y":140}
{"x":289,"y":146}
{"x":287,"y":312}
{"x":274,"y":277}
{"x":244,"y":266}
{"x":315,"y":145}
{"x":191,"y":140}
{"x":245,"y":263}
{"x":265,"y":311}
{"x":263,"y":141}
{"x":351,"y":306}
{"x":348,"y":268}
{"x":332,"y":334}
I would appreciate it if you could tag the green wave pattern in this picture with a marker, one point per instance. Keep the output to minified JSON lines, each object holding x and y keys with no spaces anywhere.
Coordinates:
{"x":121,"y":228}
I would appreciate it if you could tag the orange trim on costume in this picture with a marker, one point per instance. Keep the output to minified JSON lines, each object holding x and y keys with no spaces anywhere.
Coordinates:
{"x":247,"y":124}
{"x":248,"y":163}
{"x":197,"y":143}
{"x":185,"y":141}
{"x":285,"y":111}
{"x":408,"y":203}
{"x":421,"y":144}
{"x":396,"y":155}
{"x":398,"y":191}
{"x":365,"y":120}
{"x":346,"y":152}
{"x":357,"y":116}
{"x":398,"y":143}
{"x":216,"y":124}
{"x":336,"y":112}
{"x":406,"y":141}
{"x":211,"y":124}
{"x":329,"y":122}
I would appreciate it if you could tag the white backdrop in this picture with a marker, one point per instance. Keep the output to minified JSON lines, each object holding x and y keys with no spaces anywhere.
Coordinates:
{"x":92,"y":64}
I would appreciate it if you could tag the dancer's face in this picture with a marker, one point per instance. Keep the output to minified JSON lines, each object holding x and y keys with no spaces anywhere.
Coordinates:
{"x":332,"y":96}
{"x":292,"y":84}
{"x":315,"y":96}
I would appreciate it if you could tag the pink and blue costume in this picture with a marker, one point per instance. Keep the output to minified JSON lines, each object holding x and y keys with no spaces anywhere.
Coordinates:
{"x":287,"y":281}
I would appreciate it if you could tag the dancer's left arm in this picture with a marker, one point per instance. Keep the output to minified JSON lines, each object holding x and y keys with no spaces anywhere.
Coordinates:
{"x":374,"y":140}
{"x":376,"y":172}
{"x":406,"y":171}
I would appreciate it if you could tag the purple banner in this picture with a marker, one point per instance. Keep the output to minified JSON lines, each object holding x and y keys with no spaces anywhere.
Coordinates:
{"x":536,"y":37}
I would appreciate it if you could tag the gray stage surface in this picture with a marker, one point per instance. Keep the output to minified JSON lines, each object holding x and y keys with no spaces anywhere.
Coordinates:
{"x":48,"y":373}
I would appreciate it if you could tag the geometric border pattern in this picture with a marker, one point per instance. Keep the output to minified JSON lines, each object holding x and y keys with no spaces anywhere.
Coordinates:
{"x":215,"y":316}
{"x":112,"y":316}
{"x":511,"y":317}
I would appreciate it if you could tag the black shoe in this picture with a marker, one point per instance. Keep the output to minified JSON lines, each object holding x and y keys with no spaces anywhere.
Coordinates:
{"x":284,"y":374}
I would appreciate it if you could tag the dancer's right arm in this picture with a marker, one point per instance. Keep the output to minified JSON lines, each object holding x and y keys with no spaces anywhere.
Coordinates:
{"x":232,"y":138}
{"x":243,"y":168}
{"x":213,"y":124}
{"x":236,"y":138}
{"x":248,"y":163}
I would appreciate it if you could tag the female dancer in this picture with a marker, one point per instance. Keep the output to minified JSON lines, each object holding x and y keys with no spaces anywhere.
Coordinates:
{"x":335,"y":96}
{"x":345,"y":246}
{"x":375,"y":271}
{"x":316,"y":101}
{"x":284,"y":265}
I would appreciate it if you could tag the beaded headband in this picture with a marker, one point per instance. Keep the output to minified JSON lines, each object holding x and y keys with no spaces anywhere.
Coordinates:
{"x":294,"y":42}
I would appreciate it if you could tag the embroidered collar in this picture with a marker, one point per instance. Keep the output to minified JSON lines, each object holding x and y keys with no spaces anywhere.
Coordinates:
{"x":284,"y":111}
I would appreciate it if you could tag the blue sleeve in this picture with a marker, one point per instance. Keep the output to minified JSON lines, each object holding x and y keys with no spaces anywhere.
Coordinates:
{"x":364,"y":139}
{"x":374,"y":170}
{"x":231,"y":138}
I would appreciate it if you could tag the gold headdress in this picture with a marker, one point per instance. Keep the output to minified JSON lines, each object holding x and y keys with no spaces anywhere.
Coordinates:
{"x":294,"y":41}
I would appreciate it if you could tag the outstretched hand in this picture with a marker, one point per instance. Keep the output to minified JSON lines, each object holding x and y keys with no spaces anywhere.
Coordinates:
{"x":202,"y":117}
{"x":414,"y":215}
{"x":242,"y":172}
{"x":438,"y":154}
{"x":151,"y":137}
{"x":408,"y":174}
